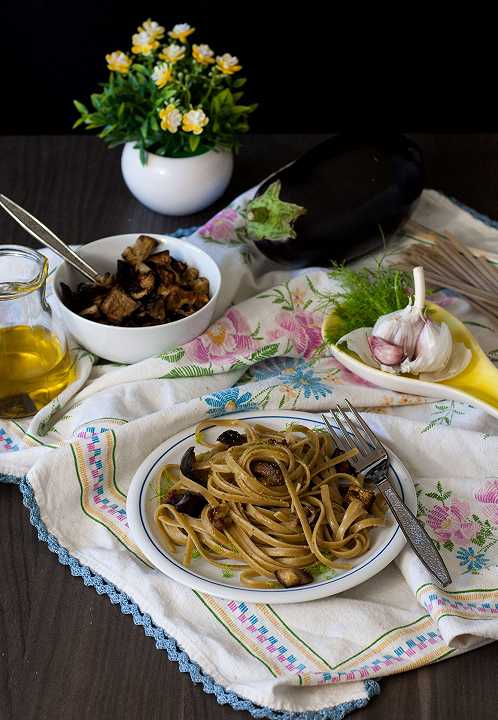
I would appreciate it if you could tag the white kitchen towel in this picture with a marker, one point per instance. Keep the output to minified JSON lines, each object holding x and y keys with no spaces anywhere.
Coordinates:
{"x":75,"y":459}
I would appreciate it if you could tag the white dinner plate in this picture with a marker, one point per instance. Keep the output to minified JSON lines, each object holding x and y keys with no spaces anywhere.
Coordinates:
{"x":386,"y":542}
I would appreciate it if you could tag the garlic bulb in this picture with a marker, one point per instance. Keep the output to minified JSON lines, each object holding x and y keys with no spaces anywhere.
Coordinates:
{"x":407,"y":341}
{"x":402,"y":327}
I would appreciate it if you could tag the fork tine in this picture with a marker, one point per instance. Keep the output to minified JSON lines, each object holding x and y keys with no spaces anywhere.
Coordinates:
{"x":370,"y":434}
{"x":343,"y":429}
{"x":361,"y":443}
{"x":332,"y":432}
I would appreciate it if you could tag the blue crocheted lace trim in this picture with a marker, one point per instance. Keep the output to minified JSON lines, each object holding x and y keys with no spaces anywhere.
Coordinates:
{"x":9,"y":479}
{"x":185,"y":232}
{"x":164,"y":641}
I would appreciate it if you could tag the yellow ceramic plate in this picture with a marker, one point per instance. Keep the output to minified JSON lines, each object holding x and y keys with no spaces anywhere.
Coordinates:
{"x":477,"y":384}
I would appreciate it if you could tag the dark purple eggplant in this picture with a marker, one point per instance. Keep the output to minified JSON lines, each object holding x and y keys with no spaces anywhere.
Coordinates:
{"x":337,"y":201}
{"x":187,"y":463}
{"x":186,"y":502}
{"x":231,"y":438}
{"x":187,"y":468}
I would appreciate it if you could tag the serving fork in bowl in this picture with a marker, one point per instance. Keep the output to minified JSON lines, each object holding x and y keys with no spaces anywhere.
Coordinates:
{"x":372,"y":462}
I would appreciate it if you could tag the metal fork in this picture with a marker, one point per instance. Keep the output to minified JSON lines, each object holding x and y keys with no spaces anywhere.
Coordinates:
{"x":372,"y":462}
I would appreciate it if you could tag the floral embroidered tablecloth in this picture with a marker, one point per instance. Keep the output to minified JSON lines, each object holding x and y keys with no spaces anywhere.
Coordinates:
{"x":75,"y":459}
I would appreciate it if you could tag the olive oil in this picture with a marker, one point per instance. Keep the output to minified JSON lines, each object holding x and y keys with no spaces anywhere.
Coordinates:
{"x":34,"y":368}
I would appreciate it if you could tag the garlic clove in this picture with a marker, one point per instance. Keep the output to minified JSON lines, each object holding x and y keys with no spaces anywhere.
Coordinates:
{"x":433,"y":349}
{"x":458,"y":361}
{"x":357,"y":342}
{"x":385,"y":352}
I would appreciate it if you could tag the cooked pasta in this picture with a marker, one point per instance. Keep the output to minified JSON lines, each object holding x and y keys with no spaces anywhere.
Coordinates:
{"x":268,"y":504}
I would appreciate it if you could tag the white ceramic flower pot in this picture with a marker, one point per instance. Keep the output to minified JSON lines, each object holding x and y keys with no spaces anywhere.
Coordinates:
{"x":177,"y":186}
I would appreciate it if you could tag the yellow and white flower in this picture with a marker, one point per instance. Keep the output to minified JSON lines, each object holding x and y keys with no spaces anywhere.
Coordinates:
{"x":118,"y":61}
{"x":181,"y":31}
{"x":287,"y":391}
{"x":153,"y":29}
{"x":161,"y":74}
{"x":228,"y":64}
{"x":298,"y":297}
{"x":171,"y":118}
{"x":143,"y":43}
{"x":172,"y":53}
{"x":202,"y":54}
{"x":194,"y":121}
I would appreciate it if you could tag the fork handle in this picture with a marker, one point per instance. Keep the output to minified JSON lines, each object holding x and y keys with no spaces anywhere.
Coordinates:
{"x":415,"y":533}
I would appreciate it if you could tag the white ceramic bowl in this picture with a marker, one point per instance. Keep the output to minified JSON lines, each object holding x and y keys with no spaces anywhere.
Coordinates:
{"x":130,"y":344}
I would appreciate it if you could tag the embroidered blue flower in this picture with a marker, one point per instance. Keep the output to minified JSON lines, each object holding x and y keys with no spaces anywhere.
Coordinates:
{"x":228,"y":401}
{"x":306,"y":380}
{"x":274,"y":367}
{"x":472,"y":560}
{"x":295,"y":373}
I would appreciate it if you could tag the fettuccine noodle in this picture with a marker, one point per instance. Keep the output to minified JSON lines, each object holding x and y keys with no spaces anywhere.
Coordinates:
{"x":276,"y":502}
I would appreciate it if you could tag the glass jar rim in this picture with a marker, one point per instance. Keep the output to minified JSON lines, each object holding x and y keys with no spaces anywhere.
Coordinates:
{"x":10,"y":290}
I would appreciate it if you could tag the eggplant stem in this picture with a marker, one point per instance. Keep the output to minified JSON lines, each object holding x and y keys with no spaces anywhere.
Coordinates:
{"x":270,"y":218}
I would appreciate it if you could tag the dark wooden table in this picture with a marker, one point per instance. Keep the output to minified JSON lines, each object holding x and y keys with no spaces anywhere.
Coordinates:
{"x":66,"y":652}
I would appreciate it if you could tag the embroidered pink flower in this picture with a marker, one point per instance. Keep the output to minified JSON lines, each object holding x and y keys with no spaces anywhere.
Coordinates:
{"x":228,"y":338}
{"x":450,"y":522}
{"x":221,"y":227}
{"x":347,"y":376}
{"x":488,"y":496}
{"x":302,"y":328}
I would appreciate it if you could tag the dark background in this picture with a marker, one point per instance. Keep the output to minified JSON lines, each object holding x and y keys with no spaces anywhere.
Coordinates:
{"x":313,"y":66}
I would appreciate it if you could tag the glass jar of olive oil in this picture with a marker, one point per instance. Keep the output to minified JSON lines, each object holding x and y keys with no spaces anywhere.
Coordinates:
{"x":35,"y":364}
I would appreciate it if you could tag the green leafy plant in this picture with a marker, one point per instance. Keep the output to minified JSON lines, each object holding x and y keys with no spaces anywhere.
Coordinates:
{"x":367,"y":294}
{"x":169,"y":97}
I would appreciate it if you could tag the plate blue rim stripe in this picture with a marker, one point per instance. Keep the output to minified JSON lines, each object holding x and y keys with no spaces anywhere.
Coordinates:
{"x":225,"y":585}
